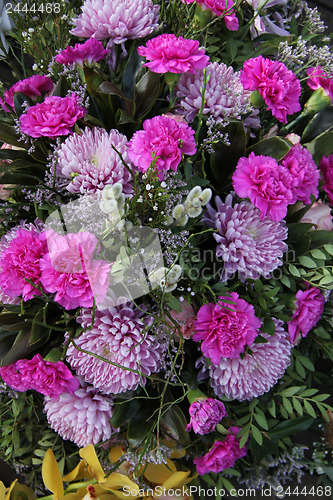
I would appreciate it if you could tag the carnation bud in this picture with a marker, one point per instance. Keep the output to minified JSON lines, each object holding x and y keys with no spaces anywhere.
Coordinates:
{"x":318,"y":101}
{"x":203,"y":16}
{"x":256,"y":100}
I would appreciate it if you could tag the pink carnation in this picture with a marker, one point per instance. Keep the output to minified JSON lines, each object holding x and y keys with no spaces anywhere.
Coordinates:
{"x":205,"y":415}
{"x":220,"y":7}
{"x":277,"y":85}
{"x":305,"y":173}
{"x":326,"y":167}
{"x":319,"y":215}
{"x":163,"y":139}
{"x":88,"y":52}
{"x":222,"y":455}
{"x":266,"y":183}
{"x":185,"y":319}
{"x":309,"y":308}
{"x":46,"y":377}
{"x":20,"y":262}
{"x":318,"y":78}
{"x":171,"y":54}
{"x":70,"y":271}
{"x":226,"y":328}
{"x":32,"y":87}
{"x":53,"y":117}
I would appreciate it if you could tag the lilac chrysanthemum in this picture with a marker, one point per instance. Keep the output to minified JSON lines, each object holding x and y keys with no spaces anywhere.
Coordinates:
{"x":89,"y":161}
{"x":119,"y":335}
{"x":256,"y":373}
{"x":119,"y":20}
{"x":247,"y":244}
{"x":82,"y":417}
{"x":225,"y":96}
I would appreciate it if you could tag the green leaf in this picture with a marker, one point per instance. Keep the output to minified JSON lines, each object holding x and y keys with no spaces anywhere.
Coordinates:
{"x":322,"y":236}
{"x":276,"y":147}
{"x":290,"y":391}
{"x":318,"y":254}
{"x":294,"y":271}
{"x":175,"y":423}
{"x":299,"y":368}
{"x":256,"y":434}
{"x":146,"y":92}
{"x":321,"y":397}
{"x":308,"y":393}
{"x":174,"y":303}
{"x":306,"y":362}
{"x":309,"y":408}
{"x":318,"y":125}
{"x":287,"y":404}
{"x":307,"y":261}
{"x":272,"y":408}
{"x":297,"y":405}
{"x":290,"y":427}
{"x":269,"y":326}
{"x":261,"y":420}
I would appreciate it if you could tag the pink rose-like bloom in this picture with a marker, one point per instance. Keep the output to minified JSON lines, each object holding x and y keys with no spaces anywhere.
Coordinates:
{"x":326,"y":167}
{"x":46,"y":377}
{"x":226,"y":328}
{"x":219,"y":7}
{"x":172,"y":54}
{"x":277,"y":85}
{"x":185,"y":318}
{"x":164,"y":139}
{"x":309,"y":308}
{"x":266,"y":183}
{"x":222,"y":455}
{"x":20,"y":262}
{"x":205,"y":415}
{"x":90,"y":51}
{"x":320,"y":215}
{"x":53,"y":117}
{"x":33,"y":87}
{"x":301,"y":165}
{"x":318,"y":78}
{"x":70,"y":271}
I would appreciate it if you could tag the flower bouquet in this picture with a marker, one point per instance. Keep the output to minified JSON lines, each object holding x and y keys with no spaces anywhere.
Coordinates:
{"x":166,"y":249}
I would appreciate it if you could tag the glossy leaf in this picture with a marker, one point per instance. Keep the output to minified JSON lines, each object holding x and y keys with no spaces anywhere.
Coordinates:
{"x":146,"y":92}
{"x":291,"y":427}
{"x":320,"y":123}
{"x":20,"y":100}
{"x":276,"y":147}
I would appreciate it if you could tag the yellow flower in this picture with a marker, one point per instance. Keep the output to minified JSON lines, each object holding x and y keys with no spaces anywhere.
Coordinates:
{"x":16,"y":490}
{"x":165,"y":478}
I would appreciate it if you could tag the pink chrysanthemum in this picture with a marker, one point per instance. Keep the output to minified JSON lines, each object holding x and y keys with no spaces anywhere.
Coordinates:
{"x":89,"y":52}
{"x":305,"y":173}
{"x":257,"y":372}
{"x":318,"y":78}
{"x":82,"y":417}
{"x":33,"y":87}
{"x":277,"y":85}
{"x":53,"y":117}
{"x":164,"y":140}
{"x":220,"y":8}
{"x":205,"y":415}
{"x":117,"y":335}
{"x":309,"y":308}
{"x":326,"y":167}
{"x":248,"y":244}
{"x":119,"y":20}
{"x":225,"y":96}
{"x":20,"y":262}
{"x":172,"y":54}
{"x":225,"y":328}
{"x":266,"y":183}
{"x":70,"y":271}
{"x":222,"y":455}
{"x":90,"y":162}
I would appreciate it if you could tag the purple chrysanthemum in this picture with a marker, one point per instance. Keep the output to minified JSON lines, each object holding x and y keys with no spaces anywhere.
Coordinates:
{"x":119,"y":20}
{"x":89,"y":161}
{"x":247,"y":244}
{"x":256,"y":373}
{"x":82,"y":417}
{"x":119,"y":335}
{"x":225,"y":96}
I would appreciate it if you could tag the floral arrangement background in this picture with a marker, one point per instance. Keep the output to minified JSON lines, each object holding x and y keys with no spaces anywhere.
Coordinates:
{"x":166,"y":248}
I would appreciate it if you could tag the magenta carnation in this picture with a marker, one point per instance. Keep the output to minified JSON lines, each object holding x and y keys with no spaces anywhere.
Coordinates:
{"x":32,"y":87}
{"x":20,"y":262}
{"x":220,"y":8}
{"x":266,"y":183}
{"x":318,"y":78}
{"x":277,"y":85}
{"x":326,"y":167}
{"x":89,"y":161}
{"x":222,"y":455}
{"x":172,"y":54}
{"x":309,"y":308}
{"x":257,"y":372}
{"x":205,"y":415}
{"x":53,"y":117}
{"x":118,"y":335}
{"x":164,"y":140}
{"x":89,"y":52}
{"x":46,"y":377}
{"x":305,"y":173}
{"x":82,"y":417}
{"x":70,"y":271}
{"x":118,"y":21}
{"x":225,"y":328}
